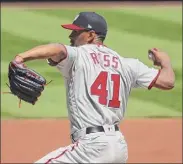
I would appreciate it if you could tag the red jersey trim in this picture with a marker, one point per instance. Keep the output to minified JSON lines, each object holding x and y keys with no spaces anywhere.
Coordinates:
{"x":56,"y":156}
{"x":49,"y":160}
{"x":154,"y":80}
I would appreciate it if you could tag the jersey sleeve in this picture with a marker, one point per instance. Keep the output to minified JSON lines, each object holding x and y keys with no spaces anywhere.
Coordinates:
{"x":145,"y":76}
{"x":67,"y":63}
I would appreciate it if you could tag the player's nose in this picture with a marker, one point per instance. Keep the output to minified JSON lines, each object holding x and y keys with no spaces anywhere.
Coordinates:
{"x":70,"y":36}
{"x":73,"y":34}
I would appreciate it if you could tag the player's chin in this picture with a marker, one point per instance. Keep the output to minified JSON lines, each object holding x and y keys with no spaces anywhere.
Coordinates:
{"x":72,"y":44}
{"x":75,"y":44}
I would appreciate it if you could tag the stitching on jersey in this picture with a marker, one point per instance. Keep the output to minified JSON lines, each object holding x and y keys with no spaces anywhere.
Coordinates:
{"x":137,"y":73}
{"x":77,"y":106}
{"x":73,"y":78}
{"x":74,"y":63}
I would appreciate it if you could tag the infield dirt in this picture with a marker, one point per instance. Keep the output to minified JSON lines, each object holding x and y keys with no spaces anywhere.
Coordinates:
{"x":149,"y":140}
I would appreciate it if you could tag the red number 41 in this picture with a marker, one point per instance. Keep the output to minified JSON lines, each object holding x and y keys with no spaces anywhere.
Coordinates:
{"x":102,"y":92}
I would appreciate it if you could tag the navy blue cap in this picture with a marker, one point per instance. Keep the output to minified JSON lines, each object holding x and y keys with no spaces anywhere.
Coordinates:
{"x":88,"y":21}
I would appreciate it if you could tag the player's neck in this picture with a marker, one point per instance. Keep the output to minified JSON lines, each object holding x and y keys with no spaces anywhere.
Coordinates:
{"x":97,"y":41}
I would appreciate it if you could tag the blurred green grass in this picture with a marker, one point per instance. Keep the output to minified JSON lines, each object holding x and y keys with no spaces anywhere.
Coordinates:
{"x":131,"y":32}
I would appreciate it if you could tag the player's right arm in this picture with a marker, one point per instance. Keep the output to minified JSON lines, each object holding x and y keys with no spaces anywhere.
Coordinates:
{"x":166,"y":78}
{"x":146,"y":77}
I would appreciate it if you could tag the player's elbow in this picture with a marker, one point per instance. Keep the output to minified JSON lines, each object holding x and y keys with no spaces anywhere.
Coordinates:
{"x":166,"y":79}
{"x":170,"y":85}
{"x":60,"y":52}
{"x":170,"y":81}
{"x":166,"y":83}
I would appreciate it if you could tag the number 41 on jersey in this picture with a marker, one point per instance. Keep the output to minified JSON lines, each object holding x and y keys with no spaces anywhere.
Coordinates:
{"x":102,"y":92}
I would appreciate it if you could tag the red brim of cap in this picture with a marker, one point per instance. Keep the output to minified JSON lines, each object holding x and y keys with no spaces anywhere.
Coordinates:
{"x":72,"y":27}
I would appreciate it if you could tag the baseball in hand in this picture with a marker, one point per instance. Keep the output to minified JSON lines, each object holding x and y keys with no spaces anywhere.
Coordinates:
{"x":151,"y":56}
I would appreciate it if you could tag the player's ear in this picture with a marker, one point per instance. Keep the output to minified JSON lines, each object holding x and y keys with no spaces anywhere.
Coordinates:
{"x":91,"y":36}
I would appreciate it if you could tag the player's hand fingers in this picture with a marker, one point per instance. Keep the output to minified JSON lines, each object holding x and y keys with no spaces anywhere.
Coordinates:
{"x":18,"y":59}
{"x":157,"y":63}
{"x":154,"y":50}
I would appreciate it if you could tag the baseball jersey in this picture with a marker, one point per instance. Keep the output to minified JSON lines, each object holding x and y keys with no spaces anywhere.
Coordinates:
{"x":98,"y":83}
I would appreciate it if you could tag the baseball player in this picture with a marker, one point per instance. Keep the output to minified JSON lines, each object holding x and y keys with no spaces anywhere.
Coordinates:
{"x":98,"y":83}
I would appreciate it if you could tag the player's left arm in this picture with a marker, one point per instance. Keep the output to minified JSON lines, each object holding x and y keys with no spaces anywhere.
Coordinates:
{"x":26,"y":83}
{"x":56,"y":52}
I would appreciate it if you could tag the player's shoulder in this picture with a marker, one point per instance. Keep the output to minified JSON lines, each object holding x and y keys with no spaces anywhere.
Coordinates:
{"x":82,"y":47}
{"x":129,"y":62}
{"x":123,"y":58}
{"x":101,"y":48}
{"x":87,"y":46}
{"x":129,"y":59}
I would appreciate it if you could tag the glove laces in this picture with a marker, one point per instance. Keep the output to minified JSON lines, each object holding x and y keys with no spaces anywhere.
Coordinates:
{"x":20,"y":100}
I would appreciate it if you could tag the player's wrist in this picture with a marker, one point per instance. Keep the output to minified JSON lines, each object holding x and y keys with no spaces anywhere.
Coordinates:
{"x":166,"y":64}
{"x":19,"y":59}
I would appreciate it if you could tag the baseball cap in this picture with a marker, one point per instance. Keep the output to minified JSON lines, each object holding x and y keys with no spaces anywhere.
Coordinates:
{"x":88,"y":21}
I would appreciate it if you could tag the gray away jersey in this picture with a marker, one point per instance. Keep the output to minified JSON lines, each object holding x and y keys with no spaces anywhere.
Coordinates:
{"x":98,"y":83}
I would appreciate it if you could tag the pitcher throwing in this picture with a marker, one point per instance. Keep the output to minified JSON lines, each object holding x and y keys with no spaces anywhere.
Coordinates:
{"x":98,"y":83}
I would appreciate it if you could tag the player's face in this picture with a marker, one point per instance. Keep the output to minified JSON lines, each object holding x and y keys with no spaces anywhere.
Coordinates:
{"x":78,"y":38}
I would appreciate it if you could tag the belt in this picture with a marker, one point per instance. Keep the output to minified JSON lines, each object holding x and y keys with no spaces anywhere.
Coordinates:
{"x":98,"y":129}
{"x":89,"y":130}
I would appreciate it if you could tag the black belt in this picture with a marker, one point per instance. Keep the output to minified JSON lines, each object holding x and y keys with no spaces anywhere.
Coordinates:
{"x":98,"y":129}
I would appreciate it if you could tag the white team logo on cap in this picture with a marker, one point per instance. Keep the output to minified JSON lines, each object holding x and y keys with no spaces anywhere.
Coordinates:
{"x":76,"y":17}
{"x":89,"y":26}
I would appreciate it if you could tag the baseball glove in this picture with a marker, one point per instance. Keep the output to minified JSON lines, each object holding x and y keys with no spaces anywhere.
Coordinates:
{"x":25,"y":83}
